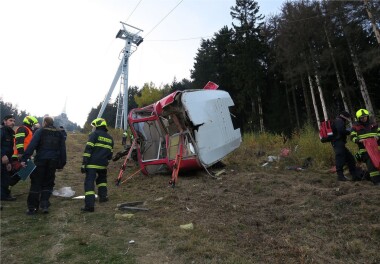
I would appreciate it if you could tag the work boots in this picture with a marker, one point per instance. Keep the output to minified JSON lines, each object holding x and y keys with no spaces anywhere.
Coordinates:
{"x":31,"y":211}
{"x":87,"y":209}
{"x":44,"y":205}
{"x":103,"y":199}
{"x":342,"y":178}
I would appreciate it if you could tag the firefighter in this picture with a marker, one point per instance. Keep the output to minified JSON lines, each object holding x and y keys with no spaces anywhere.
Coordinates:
{"x":361,"y":130}
{"x":97,"y":153}
{"x":342,"y":154}
{"x":127,"y":134}
{"x":7,"y":141}
{"x":50,"y":149}
{"x":124,"y":138}
{"x":23,"y":137}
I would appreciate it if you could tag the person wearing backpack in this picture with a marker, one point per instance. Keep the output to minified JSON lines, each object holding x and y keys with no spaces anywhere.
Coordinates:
{"x":50,"y":147}
{"x":342,"y":154}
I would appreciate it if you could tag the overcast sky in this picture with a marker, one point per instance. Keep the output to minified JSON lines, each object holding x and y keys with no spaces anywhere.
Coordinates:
{"x":54,"y":50}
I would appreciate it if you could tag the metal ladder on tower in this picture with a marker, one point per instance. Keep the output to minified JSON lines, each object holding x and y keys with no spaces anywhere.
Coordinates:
{"x":120,"y":107}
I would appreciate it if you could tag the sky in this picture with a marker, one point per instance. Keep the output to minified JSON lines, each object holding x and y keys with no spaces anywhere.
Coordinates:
{"x":62,"y":55}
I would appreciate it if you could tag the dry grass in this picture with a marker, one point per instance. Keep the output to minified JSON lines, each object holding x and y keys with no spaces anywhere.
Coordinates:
{"x":250,"y":214}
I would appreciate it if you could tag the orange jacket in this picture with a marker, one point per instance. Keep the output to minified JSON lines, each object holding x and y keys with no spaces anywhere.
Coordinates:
{"x":22,"y":139}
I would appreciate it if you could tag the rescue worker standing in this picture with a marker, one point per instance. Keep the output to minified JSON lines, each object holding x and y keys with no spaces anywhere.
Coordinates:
{"x":50,"y":149}
{"x":7,"y":141}
{"x":342,"y":154}
{"x":127,"y":134}
{"x":23,"y":137}
{"x":124,"y":138}
{"x":97,"y":153}
{"x":362,"y":130}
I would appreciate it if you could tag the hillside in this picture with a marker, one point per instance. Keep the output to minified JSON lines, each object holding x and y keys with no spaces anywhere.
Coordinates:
{"x":249,"y":214}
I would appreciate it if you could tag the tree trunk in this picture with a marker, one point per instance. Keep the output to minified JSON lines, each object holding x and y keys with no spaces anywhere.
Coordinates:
{"x":360,"y":77}
{"x":289,"y":106}
{"x":295,"y":106}
{"x":372,"y":19}
{"x":336,"y":71}
{"x":349,"y":92}
{"x":253,"y":114}
{"x":306,"y":98}
{"x":318,"y":82}
{"x":313,"y":99}
{"x":259,"y":104}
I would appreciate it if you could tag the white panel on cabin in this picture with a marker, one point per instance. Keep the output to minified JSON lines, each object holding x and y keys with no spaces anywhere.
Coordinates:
{"x":216,"y":137}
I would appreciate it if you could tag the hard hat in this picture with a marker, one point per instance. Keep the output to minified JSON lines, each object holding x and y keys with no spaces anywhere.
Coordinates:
{"x":98,"y":122}
{"x":30,"y":120}
{"x":362,"y":113}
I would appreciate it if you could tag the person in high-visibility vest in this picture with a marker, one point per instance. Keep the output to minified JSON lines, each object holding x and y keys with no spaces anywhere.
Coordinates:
{"x":362,"y":130}
{"x":96,"y":156}
{"x":124,"y":138}
{"x":22,"y":140}
{"x":127,"y":133}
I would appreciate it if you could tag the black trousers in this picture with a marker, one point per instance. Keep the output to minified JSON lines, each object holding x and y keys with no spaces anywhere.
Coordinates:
{"x":343,"y":156}
{"x":92,"y":176}
{"x":5,"y":178}
{"x":374,"y":173}
{"x":42,"y":184}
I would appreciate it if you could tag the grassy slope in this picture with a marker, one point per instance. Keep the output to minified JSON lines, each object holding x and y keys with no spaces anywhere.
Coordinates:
{"x":250,"y":214}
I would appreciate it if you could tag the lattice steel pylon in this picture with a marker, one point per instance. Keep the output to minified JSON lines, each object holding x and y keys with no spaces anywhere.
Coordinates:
{"x":131,"y":40}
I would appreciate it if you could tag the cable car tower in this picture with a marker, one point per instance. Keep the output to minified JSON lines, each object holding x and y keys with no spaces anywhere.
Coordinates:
{"x":132,"y":39}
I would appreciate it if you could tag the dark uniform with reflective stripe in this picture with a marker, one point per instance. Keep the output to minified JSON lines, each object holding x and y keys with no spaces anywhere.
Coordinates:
{"x":7,"y":142}
{"x":365,"y":130}
{"x":97,"y":153}
{"x":342,"y":154}
{"x":50,"y":155}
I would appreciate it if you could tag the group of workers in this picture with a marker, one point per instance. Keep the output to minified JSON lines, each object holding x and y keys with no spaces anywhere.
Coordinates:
{"x":49,"y":145}
{"x":364,"y":128}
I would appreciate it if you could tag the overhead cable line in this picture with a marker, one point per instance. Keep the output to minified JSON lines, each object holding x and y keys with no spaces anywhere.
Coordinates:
{"x":239,"y":31}
{"x":133,"y":11}
{"x":163,"y":19}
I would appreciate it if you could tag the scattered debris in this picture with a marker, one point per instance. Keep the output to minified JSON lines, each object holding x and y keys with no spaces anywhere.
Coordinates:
{"x":131,"y":206}
{"x":64,"y":192}
{"x":273,"y":158}
{"x":130,"y":203}
{"x":189,"y":226}
{"x":81,"y":197}
{"x":285,"y":152}
{"x":270,"y":159}
{"x":220,"y":172}
{"x":123,"y":216}
{"x":296,"y":168}
{"x":308,"y":162}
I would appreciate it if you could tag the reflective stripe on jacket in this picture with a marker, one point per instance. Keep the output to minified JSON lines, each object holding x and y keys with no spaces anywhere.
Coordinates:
{"x":98,"y":150}
{"x":363,"y":131}
{"x":22,"y":140}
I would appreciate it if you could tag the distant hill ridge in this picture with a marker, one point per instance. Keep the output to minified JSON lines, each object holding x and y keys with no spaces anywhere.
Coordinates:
{"x":60,"y":120}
